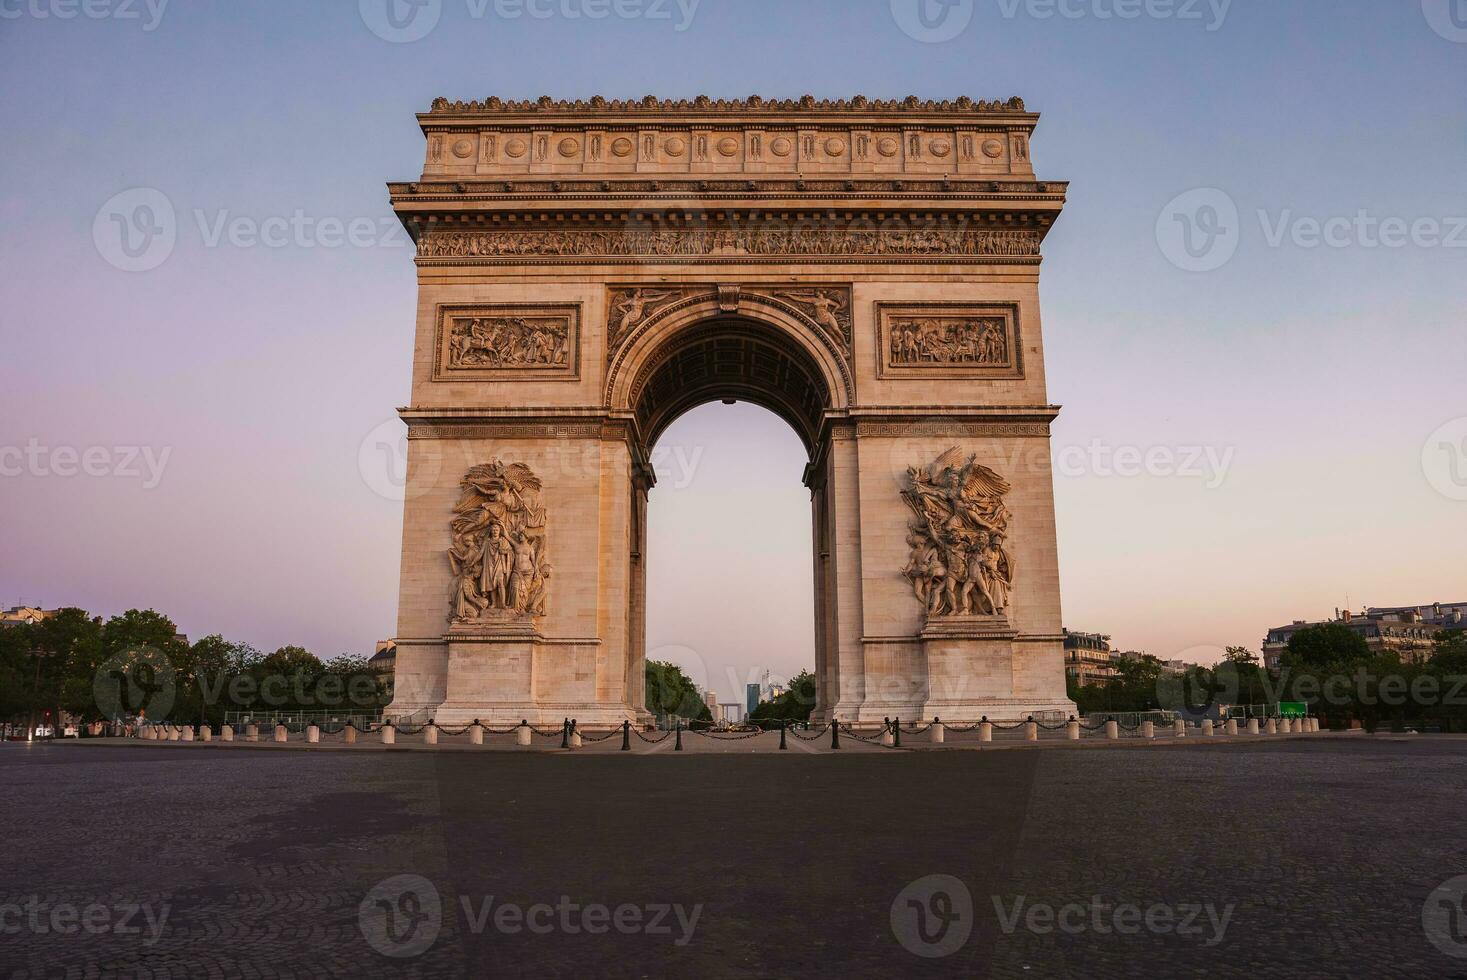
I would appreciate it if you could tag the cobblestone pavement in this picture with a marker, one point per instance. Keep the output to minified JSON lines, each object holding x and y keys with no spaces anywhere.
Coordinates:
{"x":1310,"y":858}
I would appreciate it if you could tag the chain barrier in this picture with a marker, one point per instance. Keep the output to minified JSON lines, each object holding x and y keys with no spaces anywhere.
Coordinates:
{"x":595,"y":738}
{"x":729,"y":738}
{"x":810,"y":738}
{"x":846,"y":729}
{"x":651,"y":741}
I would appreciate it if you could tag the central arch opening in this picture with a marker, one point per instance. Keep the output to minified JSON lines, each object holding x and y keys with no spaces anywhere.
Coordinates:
{"x":731,"y":360}
{"x":730,"y":414}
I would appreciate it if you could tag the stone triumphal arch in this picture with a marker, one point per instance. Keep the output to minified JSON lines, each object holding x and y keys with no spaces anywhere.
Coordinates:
{"x":589,"y":271}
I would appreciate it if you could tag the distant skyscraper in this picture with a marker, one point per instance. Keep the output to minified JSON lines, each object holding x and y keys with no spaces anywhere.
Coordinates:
{"x":751,"y":698}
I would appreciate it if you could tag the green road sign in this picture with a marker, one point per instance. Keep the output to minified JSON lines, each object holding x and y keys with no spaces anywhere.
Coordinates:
{"x":1293,"y":709}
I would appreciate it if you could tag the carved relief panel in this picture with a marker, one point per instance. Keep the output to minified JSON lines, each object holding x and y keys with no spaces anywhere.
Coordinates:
{"x":959,"y":564}
{"x":498,"y":555}
{"x":825,"y":307}
{"x":496,"y":342}
{"x":948,"y":340}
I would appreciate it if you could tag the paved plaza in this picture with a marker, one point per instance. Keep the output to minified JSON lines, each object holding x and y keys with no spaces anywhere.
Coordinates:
{"x":1310,"y":857}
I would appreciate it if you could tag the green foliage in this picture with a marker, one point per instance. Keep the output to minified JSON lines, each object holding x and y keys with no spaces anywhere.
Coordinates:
{"x":795,"y":704}
{"x":1450,"y":654}
{"x":671,"y":692}
{"x":1321,"y":646}
{"x":208,"y":679}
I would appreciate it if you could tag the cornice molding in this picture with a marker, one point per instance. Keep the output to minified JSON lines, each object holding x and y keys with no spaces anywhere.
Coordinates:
{"x":545,"y":105}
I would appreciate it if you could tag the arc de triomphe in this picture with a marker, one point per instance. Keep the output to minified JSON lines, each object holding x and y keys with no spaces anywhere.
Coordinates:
{"x":589,"y":271}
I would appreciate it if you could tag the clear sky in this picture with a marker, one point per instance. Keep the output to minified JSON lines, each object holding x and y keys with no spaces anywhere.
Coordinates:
{"x":248,"y":376}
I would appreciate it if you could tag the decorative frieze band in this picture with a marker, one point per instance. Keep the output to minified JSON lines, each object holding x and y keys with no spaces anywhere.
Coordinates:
{"x":532,"y":245}
{"x":956,"y":428}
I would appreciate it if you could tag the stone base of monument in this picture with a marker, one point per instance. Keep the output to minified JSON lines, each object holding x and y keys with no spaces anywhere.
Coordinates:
{"x":975,"y":667}
{"x":502,"y":671}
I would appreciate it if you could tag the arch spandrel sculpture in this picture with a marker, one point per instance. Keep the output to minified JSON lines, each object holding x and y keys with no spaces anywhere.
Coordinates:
{"x":867,"y":270}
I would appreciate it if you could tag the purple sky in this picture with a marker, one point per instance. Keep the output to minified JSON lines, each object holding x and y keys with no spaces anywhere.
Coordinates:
{"x":1324,"y":379}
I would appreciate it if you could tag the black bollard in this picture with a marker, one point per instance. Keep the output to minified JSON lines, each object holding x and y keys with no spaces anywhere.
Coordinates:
{"x":565,"y":733}
{"x":678,"y":745}
{"x":896,"y":733}
{"x":834,"y":732}
{"x":626,"y":736}
{"x":782,"y":746}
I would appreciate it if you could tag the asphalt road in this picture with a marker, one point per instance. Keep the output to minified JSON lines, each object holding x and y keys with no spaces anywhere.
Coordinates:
{"x":1302,"y":858}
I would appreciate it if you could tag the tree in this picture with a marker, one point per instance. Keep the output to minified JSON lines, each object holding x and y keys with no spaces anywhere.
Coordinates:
{"x":671,"y":692}
{"x":1449,"y":655}
{"x":794,"y":704}
{"x":1315,"y":647}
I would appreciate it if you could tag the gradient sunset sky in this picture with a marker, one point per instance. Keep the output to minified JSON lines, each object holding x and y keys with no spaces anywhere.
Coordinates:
{"x":1319,"y":386}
